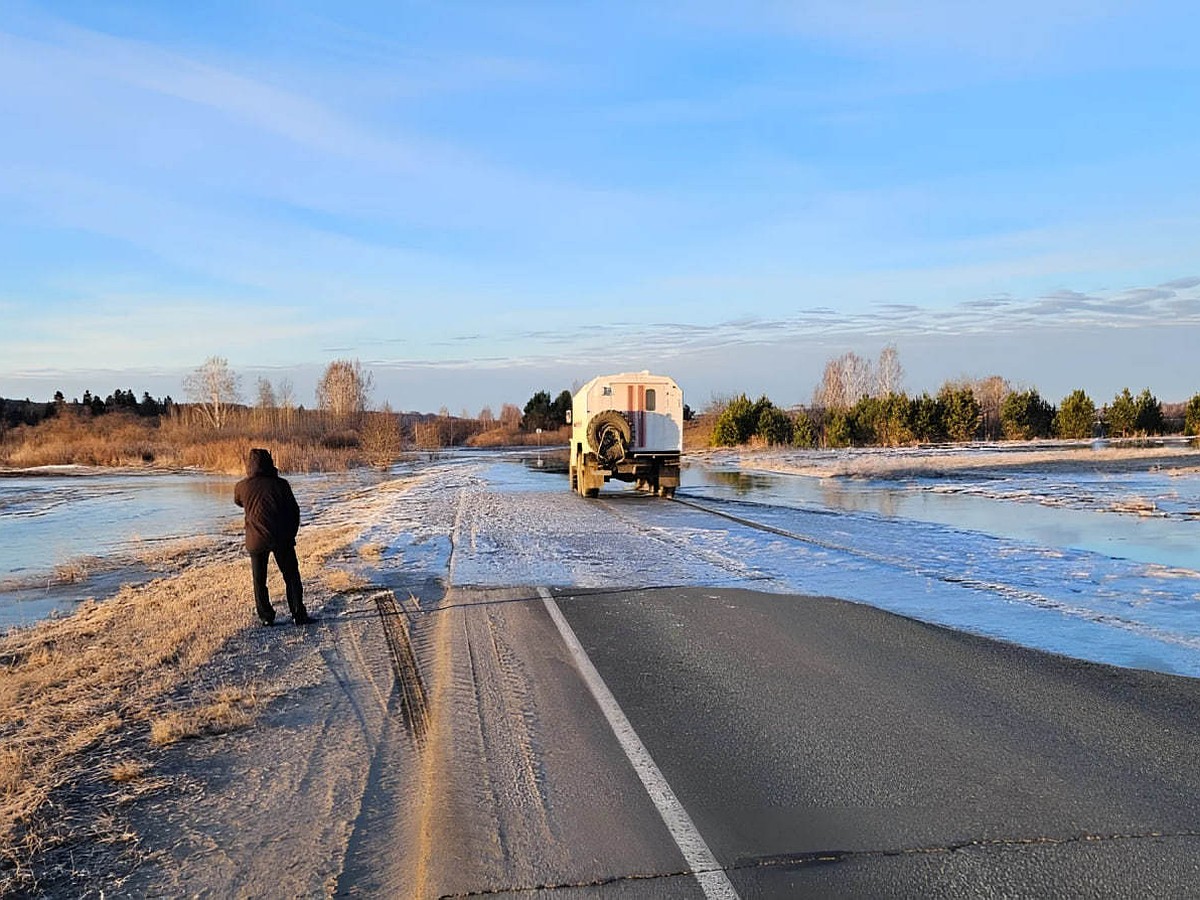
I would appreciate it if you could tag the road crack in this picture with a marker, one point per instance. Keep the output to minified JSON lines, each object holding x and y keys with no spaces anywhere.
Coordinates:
{"x":825,"y":857}
{"x":786,"y":860}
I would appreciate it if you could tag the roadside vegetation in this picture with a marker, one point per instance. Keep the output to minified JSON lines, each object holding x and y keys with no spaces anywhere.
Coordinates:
{"x":215,"y":428}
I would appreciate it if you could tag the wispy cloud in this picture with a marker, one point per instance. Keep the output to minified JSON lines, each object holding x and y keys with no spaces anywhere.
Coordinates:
{"x":1062,"y":309}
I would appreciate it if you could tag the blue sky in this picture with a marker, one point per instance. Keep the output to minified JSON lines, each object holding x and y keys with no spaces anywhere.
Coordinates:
{"x":480,"y":200}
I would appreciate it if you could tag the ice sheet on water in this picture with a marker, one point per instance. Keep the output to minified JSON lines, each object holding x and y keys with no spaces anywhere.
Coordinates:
{"x":489,"y":523}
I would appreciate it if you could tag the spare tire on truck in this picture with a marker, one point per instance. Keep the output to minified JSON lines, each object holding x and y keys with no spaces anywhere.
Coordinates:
{"x":611,"y":434}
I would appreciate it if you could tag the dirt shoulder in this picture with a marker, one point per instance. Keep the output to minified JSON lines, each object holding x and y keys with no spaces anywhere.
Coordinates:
{"x":161,"y":742}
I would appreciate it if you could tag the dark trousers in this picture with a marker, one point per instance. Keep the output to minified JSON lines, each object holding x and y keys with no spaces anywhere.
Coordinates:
{"x":289,"y":567}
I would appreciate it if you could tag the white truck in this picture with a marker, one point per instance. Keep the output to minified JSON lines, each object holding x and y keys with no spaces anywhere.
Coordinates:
{"x":628,"y":427}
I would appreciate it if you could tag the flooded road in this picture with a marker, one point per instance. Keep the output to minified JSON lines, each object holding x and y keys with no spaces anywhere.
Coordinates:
{"x":1101,"y":566}
{"x":1147,"y":517}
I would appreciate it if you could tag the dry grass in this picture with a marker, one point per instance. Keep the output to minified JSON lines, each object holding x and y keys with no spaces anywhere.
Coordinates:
{"x":117,"y":439}
{"x":72,"y":571}
{"x":697,"y":432}
{"x":128,"y":770}
{"x":172,"y":553}
{"x":340,"y":580}
{"x":229,"y":708}
{"x":112,"y":668}
{"x":514,"y":437}
{"x":371,"y":552}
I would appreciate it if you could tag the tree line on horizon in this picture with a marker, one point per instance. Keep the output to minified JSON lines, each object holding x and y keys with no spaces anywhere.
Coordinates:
{"x":856,"y":403}
{"x":860,"y":404}
{"x":215,"y":423}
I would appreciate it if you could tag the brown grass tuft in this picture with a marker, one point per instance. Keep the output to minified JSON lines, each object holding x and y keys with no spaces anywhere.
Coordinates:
{"x":128,"y":770}
{"x":229,"y":709}
{"x":339,"y":580}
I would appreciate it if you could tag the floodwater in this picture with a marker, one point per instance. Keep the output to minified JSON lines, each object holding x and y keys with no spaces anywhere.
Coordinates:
{"x":49,"y":520}
{"x":69,"y":533}
{"x":1149,"y":517}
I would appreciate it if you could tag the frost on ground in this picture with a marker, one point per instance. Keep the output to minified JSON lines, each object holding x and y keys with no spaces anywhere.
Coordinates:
{"x":488,"y":522}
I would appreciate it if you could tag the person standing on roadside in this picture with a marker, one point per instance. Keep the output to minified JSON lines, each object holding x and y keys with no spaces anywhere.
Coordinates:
{"x":272,"y":520}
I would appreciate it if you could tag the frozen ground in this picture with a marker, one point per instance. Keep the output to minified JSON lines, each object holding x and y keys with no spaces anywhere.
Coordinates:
{"x":491,"y":522}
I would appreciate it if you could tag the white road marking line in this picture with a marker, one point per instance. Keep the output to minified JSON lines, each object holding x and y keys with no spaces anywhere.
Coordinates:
{"x":708,"y":872}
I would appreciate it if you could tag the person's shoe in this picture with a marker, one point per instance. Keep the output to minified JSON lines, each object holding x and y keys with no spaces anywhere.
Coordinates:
{"x":266,"y":623}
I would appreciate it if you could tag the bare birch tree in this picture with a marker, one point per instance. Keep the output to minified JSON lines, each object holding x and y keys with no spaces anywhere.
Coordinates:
{"x":990,"y":392}
{"x":285,"y":397}
{"x":266,"y":394}
{"x":345,"y":388}
{"x":846,"y":380}
{"x":889,"y":374}
{"x":214,"y":387}
{"x":510,"y":416}
{"x":856,"y":373}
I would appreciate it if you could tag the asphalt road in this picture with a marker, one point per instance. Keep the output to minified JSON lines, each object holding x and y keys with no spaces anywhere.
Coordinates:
{"x":815,"y":747}
{"x":824,"y":748}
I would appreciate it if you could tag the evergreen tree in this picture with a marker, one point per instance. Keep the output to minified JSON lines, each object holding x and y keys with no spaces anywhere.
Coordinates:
{"x":736,"y":423}
{"x":1076,"y":416}
{"x":961,"y":414}
{"x":774,"y":426}
{"x":804,"y":430}
{"x":1120,"y":418}
{"x":560,"y":407}
{"x":1024,"y":415}
{"x":538,"y":412}
{"x":1149,"y":418}
{"x":1191,"y":416}
{"x":925,"y":419}
{"x":837,"y":429}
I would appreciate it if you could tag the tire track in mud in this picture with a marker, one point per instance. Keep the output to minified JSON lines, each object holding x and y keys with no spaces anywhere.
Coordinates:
{"x":414,"y":705}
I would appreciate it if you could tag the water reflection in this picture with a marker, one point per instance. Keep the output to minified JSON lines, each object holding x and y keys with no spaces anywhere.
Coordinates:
{"x":47,"y":520}
{"x":1049,"y":516}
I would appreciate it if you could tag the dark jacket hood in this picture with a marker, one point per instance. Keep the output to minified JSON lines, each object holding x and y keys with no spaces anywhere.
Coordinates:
{"x":260,"y":463}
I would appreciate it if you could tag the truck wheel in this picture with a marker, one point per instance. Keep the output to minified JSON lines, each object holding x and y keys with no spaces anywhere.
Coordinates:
{"x":583,"y":474}
{"x":610,"y":435}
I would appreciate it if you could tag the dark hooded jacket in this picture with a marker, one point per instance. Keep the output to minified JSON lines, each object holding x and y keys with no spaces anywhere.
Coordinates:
{"x":272,"y":514}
